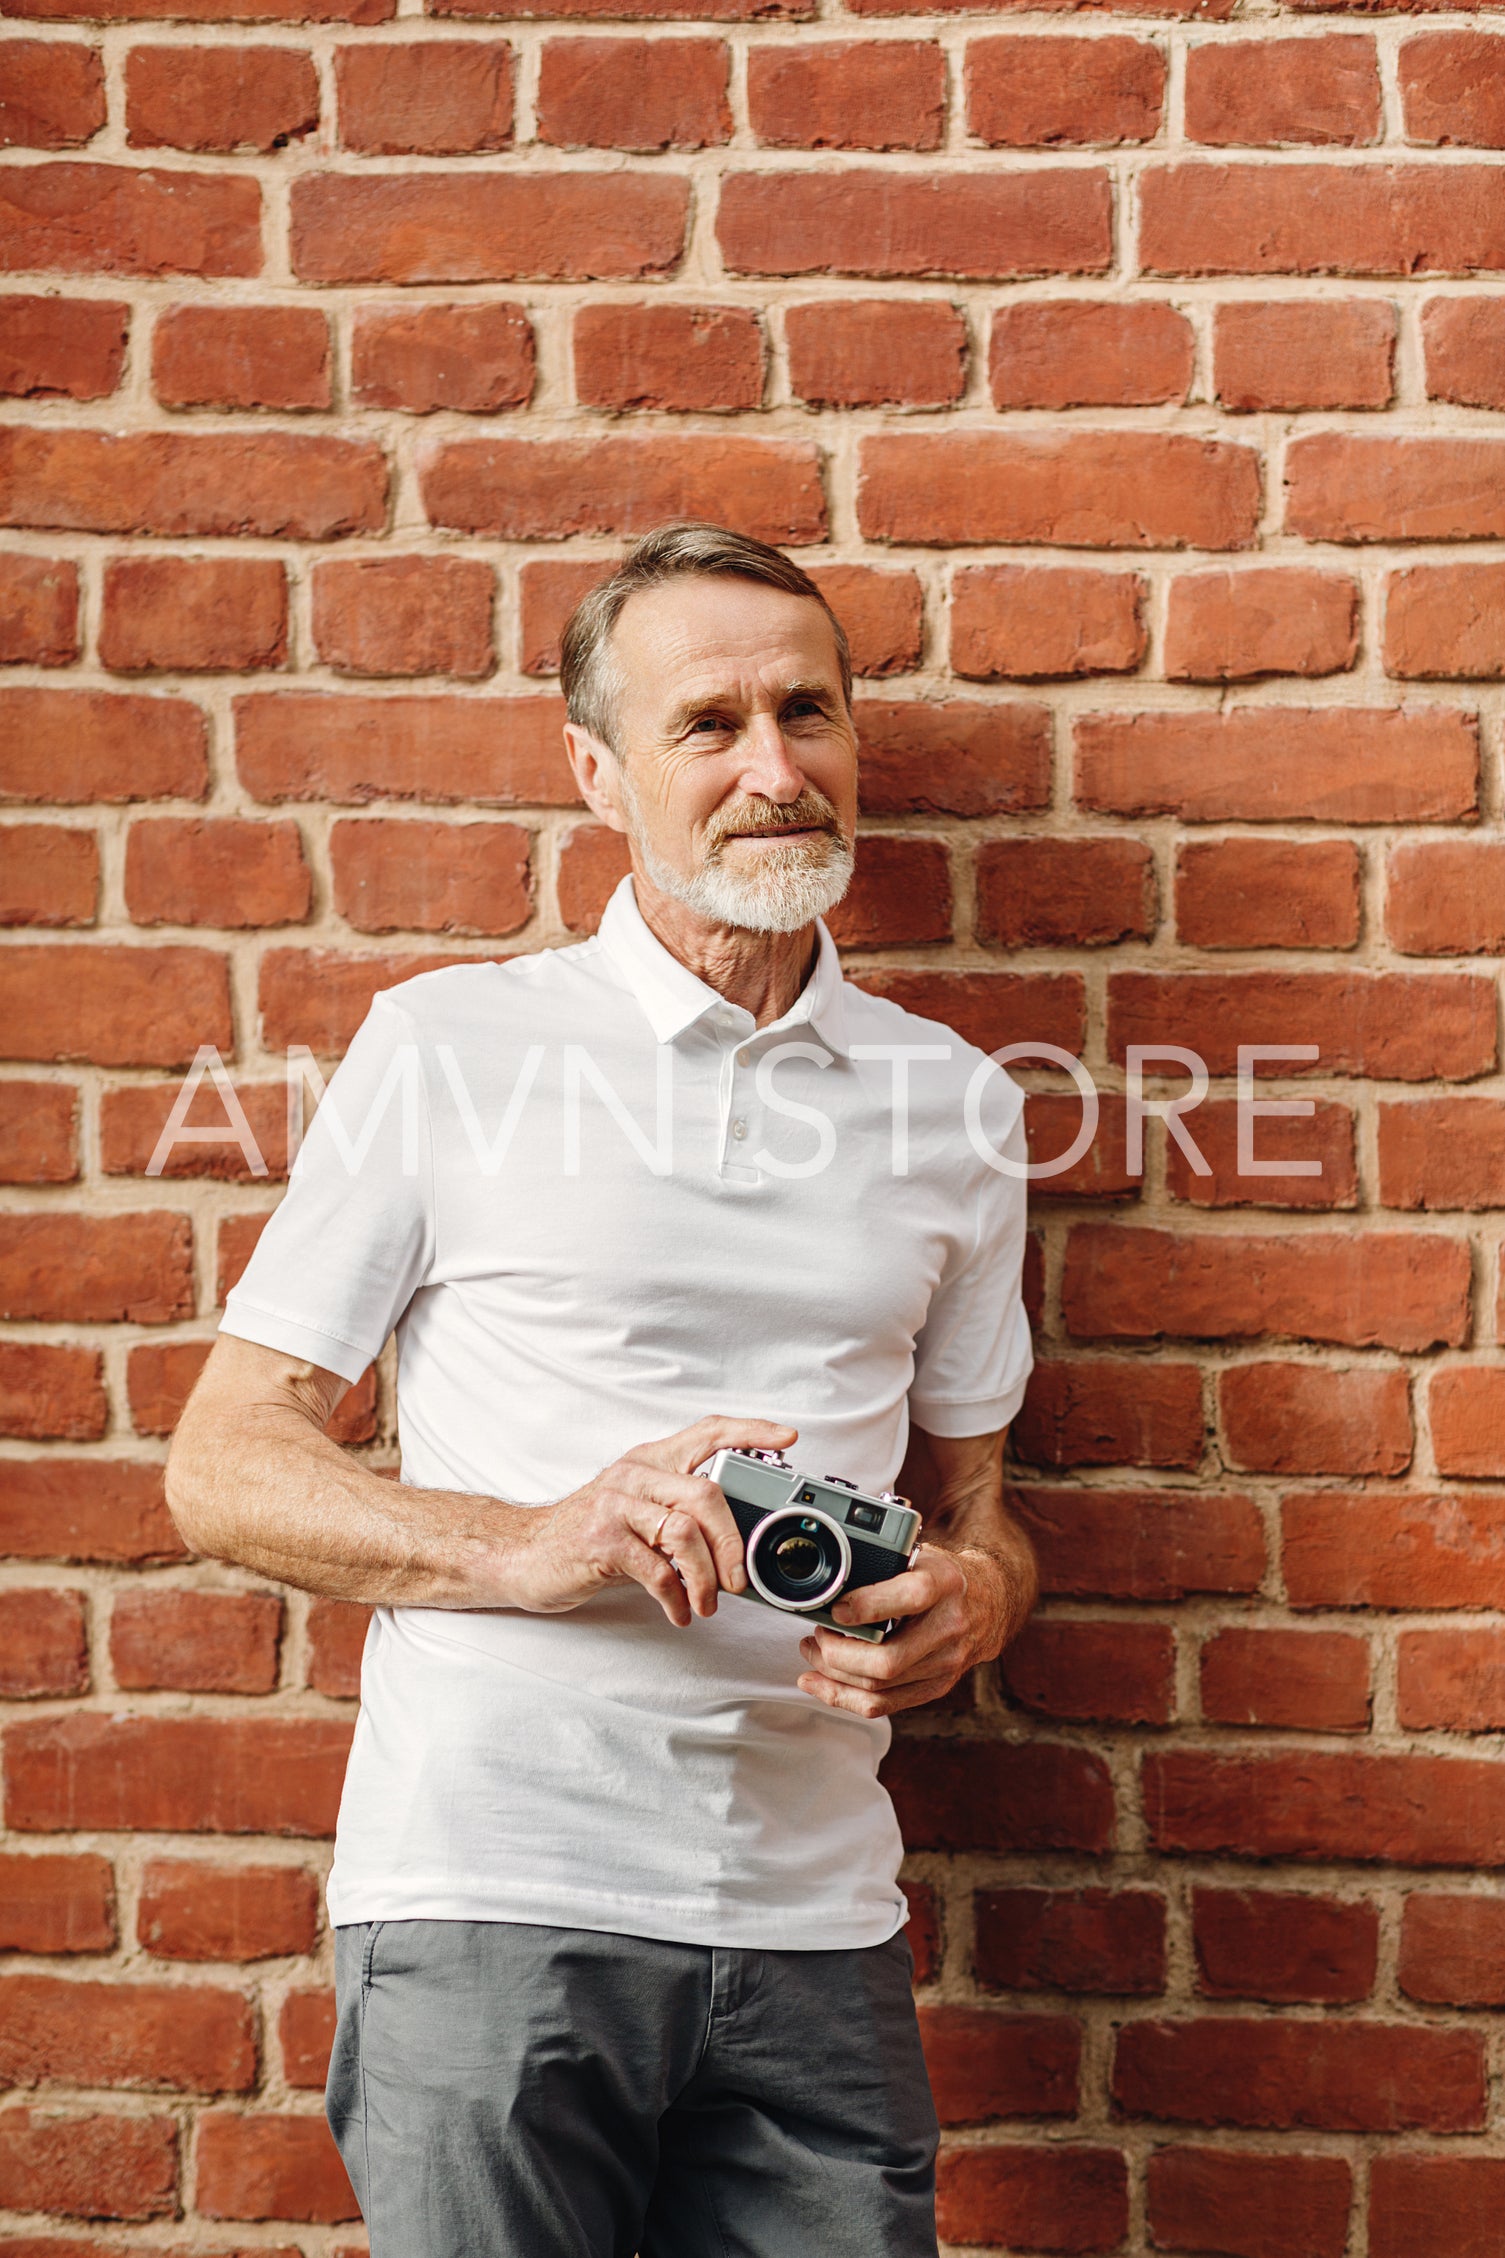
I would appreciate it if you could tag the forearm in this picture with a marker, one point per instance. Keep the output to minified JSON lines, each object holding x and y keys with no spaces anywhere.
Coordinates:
{"x":959,"y":1485}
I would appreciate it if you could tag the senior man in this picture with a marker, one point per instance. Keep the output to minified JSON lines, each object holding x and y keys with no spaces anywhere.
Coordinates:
{"x":620,"y":1962}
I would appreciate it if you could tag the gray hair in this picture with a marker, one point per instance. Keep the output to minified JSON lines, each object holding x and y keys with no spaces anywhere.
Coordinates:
{"x":590,"y":674}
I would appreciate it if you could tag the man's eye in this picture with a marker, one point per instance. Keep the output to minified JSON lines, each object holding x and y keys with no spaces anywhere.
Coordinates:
{"x":707,"y":724}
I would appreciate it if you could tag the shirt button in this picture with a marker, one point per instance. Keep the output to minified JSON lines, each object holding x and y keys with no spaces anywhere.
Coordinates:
{"x":744,"y":1058}
{"x":739,"y":1128}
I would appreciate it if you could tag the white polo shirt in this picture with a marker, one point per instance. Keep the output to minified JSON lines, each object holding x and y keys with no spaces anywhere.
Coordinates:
{"x":595,"y":1209}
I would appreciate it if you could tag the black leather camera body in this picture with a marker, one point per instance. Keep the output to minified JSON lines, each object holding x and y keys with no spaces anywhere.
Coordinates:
{"x":810,"y":1538}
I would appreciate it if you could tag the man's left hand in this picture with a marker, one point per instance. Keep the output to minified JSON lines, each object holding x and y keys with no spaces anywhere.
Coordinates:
{"x":960,"y":1609}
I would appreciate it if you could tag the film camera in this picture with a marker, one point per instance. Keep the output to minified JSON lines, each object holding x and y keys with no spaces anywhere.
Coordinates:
{"x":808,"y":1539}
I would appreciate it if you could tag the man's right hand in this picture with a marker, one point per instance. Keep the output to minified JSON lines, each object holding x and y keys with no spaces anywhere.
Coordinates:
{"x":624,"y":1526}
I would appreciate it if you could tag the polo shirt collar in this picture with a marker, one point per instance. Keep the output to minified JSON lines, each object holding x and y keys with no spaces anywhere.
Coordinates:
{"x":673,"y":997}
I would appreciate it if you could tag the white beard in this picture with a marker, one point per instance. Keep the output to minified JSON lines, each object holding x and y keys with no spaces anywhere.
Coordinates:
{"x":796,"y":880}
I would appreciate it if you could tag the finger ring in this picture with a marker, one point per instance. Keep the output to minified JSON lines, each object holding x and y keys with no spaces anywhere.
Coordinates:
{"x":658,"y":1532}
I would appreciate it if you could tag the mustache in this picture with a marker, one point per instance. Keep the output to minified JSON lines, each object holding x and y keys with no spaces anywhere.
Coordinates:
{"x":811,"y":810}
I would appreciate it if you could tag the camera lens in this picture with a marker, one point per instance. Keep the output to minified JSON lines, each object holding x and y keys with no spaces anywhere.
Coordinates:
{"x":798,"y":1560}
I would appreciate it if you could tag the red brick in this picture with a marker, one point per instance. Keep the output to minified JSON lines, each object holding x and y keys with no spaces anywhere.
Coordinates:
{"x":273,"y":483}
{"x":48,"y":1393}
{"x":1452,"y":88}
{"x":1070,"y":353}
{"x":1288,"y":2072}
{"x":1031,"y":92}
{"x":548,"y":489}
{"x":1089,"y":489}
{"x":241,"y":357}
{"x":984,"y":2065}
{"x":633,"y":93}
{"x":336,"y":1642}
{"x":235,"y":1243}
{"x":987,"y":225}
{"x":1063,"y":893}
{"x":958,"y":757}
{"x":74,"y":746}
{"x":1446,"y":621}
{"x":592,"y":862}
{"x":1405,"y":1290}
{"x":131,"y":1125}
{"x":634,"y":11}
{"x":400,"y":615}
{"x":1122,"y":1672}
{"x":1065,"y":2197}
{"x":1452,"y":1950}
{"x":52,"y":93}
{"x":476,"y":359}
{"x":848,"y":94}
{"x":270,"y":2167}
{"x":1464,"y":343}
{"x":1315,"y":1419}
{"x":1302,"y":353}
{"x":1052,"y":1122}
{"x":57,"y":1268}
{"x":97,"y":2167}
{"x":1230,"y":626}
{"x":487,"y":226}
{"x":1451,"y":1681}
{"x":196,"y":1642}
{"x":1094,"y":1411}
{"x":1085,"y":1940}
{"x":320,"y":996}
{"x":1405,"y":1810}
{"x":677,"y":357}
{"x":190,"y":1910}
{"x":56,"y":1903}
{"x":1309,"y":1681}
{"x":1269,"y":92}
{"x":176,"y":1775}
{"x":1283,"y":1946}
{"x":72,"y":346}
{"x":1268,"y":894}
{"x":1355,"y":764}
{"x":407,"y":876}
{"x":305,"y":2032}
{"x":38,"y":611}
{"x":1406,"y":1550}
{"x":996,"y":1795}
{"x":427,"y":97}
{"x":1320,"y":219}
{"x":1032,"y":622}
{"x":304,"y":745}
{"x":548,"y":591}
{"x":211,"y":11}
{"x":185,"y":2036}
{"x":900,"y":895}
{"x":1442,"y":1153}
{"x":1406,"y":1027}
{"x":1467,"y":1409}
{"x":1435,"y":2206}
{"x":871,"y":352}
{"x":98,"y":1509}
{"x":38,"y":1132}
{"x":205,"y":615}
{"x":1141,"y":1545}
{"x":1339,"y":488}
{"x":882,"y":613}
{"x":1446,"y":897}
{"x":215,"y":870}
{"x":1326,"y":1135}
{"x":44,"y":1646}
{"x":121,"y":219}
{"x":49,"y":874}
{"x":991,"y":1008}
{"x":219,"y":97}
{"x":1249,"y":2206}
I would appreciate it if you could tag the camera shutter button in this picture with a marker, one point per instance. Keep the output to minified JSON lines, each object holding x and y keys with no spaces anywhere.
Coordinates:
{"x":744,"y":1058}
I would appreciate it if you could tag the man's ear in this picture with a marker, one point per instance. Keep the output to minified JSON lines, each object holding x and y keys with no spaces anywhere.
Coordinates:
{"x":598,"y":774}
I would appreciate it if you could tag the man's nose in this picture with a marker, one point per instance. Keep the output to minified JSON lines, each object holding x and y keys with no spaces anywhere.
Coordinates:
{"x":769,"y":767}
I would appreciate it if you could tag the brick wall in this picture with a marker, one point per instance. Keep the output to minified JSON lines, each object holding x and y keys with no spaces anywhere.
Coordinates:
{"x":1129,"y":379}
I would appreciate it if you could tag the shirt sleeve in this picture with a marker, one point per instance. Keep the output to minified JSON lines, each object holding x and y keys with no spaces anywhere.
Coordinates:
{"x":973,"y":1356}
{"x":350,"y":1245}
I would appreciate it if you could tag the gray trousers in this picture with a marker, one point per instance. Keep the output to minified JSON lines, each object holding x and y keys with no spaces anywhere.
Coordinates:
{"x":500,"y":2090}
